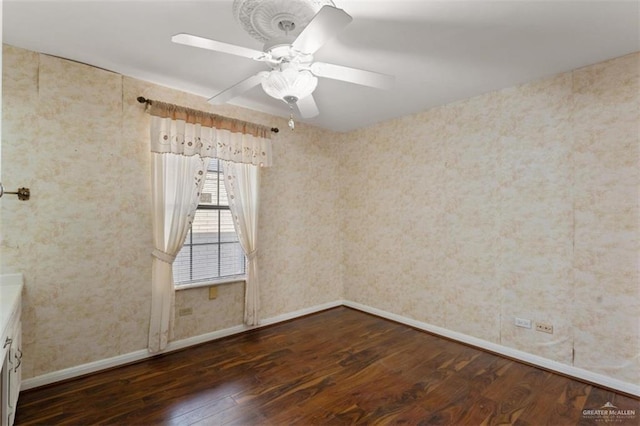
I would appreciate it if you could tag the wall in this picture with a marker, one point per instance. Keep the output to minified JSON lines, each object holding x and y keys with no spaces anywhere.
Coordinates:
{"x":78,"y":138}
{"x":521,"y":202}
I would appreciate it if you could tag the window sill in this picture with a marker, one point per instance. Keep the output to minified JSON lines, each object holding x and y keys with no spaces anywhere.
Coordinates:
{"x":211,"y":283}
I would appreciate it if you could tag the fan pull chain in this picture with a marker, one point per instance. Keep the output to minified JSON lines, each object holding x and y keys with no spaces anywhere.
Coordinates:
{"x":292,"y":124}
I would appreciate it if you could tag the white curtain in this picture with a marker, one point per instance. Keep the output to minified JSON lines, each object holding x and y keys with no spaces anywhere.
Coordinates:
{"x":182,"y":141}
{"x":176,"y":184}
{"x":242,"y":182}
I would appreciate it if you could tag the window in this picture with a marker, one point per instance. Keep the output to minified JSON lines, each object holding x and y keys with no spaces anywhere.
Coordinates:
{"x":211,"y":251}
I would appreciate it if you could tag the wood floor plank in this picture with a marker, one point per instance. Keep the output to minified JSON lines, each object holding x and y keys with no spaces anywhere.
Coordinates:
{"x":336,"y":367}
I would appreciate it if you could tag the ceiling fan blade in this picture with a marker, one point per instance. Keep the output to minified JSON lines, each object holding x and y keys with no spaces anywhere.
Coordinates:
{"x":238,"y":89}
{"x":307,"y":107}
{"x":322,"y":28}
{"x":218,"y":46}
{"x":352,"y":75}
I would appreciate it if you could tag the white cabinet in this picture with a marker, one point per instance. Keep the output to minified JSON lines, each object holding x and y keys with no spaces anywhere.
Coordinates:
{"x":10,"y":348}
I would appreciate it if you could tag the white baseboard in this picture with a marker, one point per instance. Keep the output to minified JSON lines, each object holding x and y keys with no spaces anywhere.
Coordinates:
{"x":548,"y":364}
{"x":103,"y":364}
{"x":526,"y":357}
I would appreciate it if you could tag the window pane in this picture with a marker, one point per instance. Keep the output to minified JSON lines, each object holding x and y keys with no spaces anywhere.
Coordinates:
{"x":231,"y":254}
{"x":213,"y":191}
{"x":227,"y":230}
{"x":211,"y":249}
{"x":205,"y":226}
{"x":231,"y":259}
{"x":204,"y":267}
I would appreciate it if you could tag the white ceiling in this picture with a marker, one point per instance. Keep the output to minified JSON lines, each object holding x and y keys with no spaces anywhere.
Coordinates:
{"x":439,"y":51}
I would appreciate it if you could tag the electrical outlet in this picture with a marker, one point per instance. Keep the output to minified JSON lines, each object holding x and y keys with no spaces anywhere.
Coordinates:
{"x":545,"y":328}
{"x":521,"y":322}
{"x":185,"y":311}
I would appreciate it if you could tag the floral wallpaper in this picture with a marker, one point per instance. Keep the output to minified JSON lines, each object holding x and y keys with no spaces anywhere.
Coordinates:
{"x":520,"y":202}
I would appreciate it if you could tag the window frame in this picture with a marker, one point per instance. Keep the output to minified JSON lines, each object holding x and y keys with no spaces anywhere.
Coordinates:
{"x":213,"y":281}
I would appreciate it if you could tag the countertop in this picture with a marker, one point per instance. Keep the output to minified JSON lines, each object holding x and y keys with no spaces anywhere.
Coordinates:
{"x":10,"y":291}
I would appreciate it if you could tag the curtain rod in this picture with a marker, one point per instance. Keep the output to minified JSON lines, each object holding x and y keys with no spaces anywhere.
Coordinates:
{"x":144,"y":100}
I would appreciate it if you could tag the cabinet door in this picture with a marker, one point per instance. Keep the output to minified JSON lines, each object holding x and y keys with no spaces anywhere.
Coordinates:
{"x":15,"y":371}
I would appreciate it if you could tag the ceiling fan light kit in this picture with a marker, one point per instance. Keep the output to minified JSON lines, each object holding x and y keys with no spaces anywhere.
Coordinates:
{"x":292,"y":31}
{"x":289,"y":83}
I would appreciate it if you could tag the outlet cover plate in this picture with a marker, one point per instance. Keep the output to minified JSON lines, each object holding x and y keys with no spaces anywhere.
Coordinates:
{"x":521,"y":322}
{"x":185,"y":311}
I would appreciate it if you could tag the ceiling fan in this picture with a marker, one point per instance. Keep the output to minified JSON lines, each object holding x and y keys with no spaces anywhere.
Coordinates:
{"x":292,"y":30}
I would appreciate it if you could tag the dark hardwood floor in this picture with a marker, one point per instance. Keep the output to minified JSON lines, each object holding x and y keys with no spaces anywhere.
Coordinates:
{"x":338,"y":367}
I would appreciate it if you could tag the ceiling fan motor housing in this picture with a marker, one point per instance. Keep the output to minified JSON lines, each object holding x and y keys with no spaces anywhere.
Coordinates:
{"x":266,"y":20}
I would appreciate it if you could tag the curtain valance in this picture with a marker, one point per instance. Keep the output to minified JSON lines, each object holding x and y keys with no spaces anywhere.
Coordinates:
{"x":186,"y":131}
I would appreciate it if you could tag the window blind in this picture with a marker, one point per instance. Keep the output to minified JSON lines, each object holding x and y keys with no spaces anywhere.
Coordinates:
{"x":211,"y":250}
